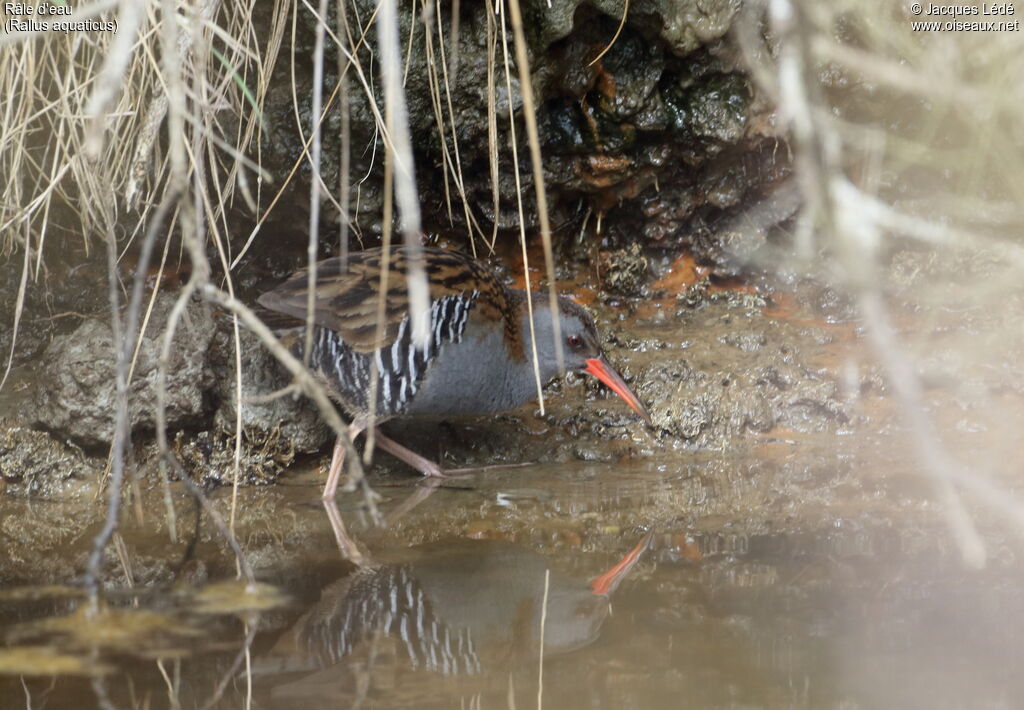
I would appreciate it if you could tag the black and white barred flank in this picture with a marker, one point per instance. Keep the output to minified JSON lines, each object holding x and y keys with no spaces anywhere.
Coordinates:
{"x":399,"y":366}
{"x":392,"y":602}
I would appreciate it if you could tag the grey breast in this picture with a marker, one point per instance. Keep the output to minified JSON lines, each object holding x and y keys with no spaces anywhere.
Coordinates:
{"x":475,"y":375}
{"x":406,"y":375}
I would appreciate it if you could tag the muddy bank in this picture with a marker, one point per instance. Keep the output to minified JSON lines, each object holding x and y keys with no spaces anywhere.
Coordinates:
{"x":721,"y":365}
{"x":711,"y":362}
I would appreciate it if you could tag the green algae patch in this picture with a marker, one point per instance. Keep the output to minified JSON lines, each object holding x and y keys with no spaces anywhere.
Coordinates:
{"x":237,"y":597}
{"x":47,"y":661}
{"x":120,"y":630}
{"x":38,"y":592}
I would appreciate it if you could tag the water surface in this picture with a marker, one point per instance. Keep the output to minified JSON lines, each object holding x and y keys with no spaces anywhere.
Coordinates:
{"x":790,"y":574}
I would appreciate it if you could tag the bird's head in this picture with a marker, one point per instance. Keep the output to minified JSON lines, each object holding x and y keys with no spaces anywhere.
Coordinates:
{"x":580,"y":346}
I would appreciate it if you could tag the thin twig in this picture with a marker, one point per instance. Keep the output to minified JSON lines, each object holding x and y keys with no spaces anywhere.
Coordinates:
{"x":304,"y":380}
{"x":252,"y":626}
{"x":618,"y":31}
{"x":379,"y":123}
{"x":314,"y":187}
{"x":344,"y":174}
{"x":122,"y":348}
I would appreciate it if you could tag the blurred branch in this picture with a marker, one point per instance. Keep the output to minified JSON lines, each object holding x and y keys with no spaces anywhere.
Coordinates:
{"x":852,"y":224}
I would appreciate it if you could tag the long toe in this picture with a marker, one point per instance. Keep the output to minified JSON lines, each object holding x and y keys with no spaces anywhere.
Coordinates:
{"x":423,"y":465}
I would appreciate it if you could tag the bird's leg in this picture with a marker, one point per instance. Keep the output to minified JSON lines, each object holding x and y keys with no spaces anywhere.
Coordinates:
{"x":346,"y":545}
{"x":338,"y":459}
{"x":424,"y":466}
{"x":431,"y":469}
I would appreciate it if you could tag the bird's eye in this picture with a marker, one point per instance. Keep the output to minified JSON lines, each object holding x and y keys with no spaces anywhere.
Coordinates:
{"x":574,"y":341}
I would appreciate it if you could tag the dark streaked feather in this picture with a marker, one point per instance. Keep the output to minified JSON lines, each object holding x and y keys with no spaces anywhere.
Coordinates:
{"x":388,"y":600}
{"x":400,"y":366}
{"x":346,"y":301}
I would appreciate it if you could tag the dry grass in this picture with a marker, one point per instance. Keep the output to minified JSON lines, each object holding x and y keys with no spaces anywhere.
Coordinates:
{"x":83,"y":128}
{"x":84,"y":131}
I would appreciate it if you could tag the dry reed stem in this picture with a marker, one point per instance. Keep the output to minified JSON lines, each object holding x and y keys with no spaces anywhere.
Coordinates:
{"x":543,"y":624}
{"x":385,"y":275}
{"x":406,"y":196}
{"x":398,"y":163}
{"x":452,"y":168}
{"x":519,"y":206}
{"x":530,"y":116}
{"x":344,"y":174}
{"x":492,"y":122}
{"x":171,"y":692}
{"x":352,"y":61}
{"x":408,"y":48}
{"x":314,"y":188}
{"x":471,"y":223}
{"x":435,"y":103}
{"x":252,"y":625}
{"x":456,"y":14}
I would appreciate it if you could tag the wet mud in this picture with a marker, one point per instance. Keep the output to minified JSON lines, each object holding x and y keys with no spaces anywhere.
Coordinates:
{"x":712,"y":361}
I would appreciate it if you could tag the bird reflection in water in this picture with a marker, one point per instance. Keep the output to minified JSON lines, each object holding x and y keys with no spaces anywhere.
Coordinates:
{"x":457,"y":609}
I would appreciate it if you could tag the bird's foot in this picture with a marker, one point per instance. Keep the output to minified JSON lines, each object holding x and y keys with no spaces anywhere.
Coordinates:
{"x":425,"y":466}
{"x":429,"y":469}
{"x":466,"y":472}
{"x":433,"y":471}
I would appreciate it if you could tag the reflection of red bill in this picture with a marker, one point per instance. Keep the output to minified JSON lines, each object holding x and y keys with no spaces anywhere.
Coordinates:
{"x":607,"y":582}
{"x":599,"y":368}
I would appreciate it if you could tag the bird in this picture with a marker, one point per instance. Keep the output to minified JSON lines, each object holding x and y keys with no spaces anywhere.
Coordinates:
{"x":478,"y":358}
{"x":455,"y":608}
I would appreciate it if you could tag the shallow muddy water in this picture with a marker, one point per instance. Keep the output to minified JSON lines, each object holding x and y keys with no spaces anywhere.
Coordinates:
{"x":787,"y":574}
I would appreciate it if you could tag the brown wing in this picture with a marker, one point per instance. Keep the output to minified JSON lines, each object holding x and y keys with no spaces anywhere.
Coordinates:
{"x":346,"y":301}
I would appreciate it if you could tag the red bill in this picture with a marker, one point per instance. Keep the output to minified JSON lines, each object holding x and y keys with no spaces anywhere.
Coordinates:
{"x":609,"y":581}
{"x":599,"y":368}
